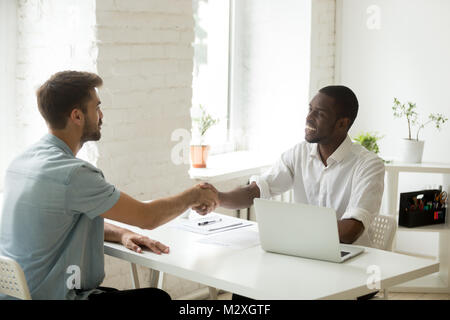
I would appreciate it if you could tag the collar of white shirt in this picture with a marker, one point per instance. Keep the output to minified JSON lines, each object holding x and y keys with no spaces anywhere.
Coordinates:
{"x":338,"y":155}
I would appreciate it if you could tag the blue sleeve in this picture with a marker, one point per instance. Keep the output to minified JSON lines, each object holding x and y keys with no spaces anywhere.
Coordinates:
{"x":88,"y":192}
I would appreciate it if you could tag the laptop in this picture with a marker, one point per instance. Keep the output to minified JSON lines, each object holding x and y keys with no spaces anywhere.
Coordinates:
{"x":301,"y":230}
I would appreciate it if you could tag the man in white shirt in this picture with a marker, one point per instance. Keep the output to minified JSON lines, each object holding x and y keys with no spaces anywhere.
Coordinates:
{"x":326,"y":170}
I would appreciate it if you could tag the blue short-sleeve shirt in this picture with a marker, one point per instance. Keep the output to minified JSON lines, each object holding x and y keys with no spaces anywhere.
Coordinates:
{"x":51,"y":223}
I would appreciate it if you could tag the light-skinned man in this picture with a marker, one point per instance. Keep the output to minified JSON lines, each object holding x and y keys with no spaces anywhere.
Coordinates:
{"x":55,"y":204}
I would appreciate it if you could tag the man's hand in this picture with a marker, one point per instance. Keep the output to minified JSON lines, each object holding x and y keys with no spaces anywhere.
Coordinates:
{"x":205,"y":198}
{"x":135,"y":242}
{"x":203,"y":209}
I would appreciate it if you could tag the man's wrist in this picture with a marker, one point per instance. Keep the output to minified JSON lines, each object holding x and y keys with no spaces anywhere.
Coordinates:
{"x":222,"y":198}
{"x":189,"y":197}
{"x":114,"y":233}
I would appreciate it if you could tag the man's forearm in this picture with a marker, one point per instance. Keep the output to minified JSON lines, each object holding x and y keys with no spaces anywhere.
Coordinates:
{"x":239,"y":198}
{"x":349,"y":230}
{"x":152,"y":215}
{"x":166,"y":209}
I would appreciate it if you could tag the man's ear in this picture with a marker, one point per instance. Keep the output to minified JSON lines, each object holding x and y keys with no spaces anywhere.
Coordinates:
{"x":77,"y":116}
{"x":344,"y":123}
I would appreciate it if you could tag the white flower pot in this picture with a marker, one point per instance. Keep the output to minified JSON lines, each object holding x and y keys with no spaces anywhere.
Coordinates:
{"x":410,"y":151}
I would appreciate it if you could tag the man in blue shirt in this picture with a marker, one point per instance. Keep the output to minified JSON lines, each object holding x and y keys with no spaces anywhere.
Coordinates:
{"x":55,"y":204}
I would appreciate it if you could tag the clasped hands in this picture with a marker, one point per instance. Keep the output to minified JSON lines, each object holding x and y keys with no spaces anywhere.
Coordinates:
{"x":204,"y":198}
{"x":207,"y":198}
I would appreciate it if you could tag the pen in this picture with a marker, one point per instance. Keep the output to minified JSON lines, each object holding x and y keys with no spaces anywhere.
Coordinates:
{"x":208,"y":222}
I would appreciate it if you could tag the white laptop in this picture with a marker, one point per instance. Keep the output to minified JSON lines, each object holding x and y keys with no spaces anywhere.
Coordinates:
{"x":301,"y":230}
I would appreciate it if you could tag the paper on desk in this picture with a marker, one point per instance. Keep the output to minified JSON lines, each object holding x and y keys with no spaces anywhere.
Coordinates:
{"x":239,"y":239}
{"x":227,"y":223}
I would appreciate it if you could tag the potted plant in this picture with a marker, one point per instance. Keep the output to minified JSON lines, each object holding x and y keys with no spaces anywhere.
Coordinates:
{"x":411,"y":148}
{"x":370,"y":142}
{"x":200,"y":125}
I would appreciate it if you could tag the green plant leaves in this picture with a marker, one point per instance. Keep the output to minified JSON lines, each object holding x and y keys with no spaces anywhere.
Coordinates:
{"x":409,"y":111}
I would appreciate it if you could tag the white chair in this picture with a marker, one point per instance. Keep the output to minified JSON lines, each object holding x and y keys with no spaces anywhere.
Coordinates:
{"x":12,"y":279}
{"x":381,"y":235}
{"x":382,"y":231}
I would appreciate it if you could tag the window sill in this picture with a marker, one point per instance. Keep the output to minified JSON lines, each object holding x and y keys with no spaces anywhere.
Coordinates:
{"x":232,"y":165}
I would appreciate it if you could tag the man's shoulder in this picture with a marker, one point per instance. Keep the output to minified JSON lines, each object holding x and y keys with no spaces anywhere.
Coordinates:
{"x":44,"y":161}
{"x":364,"y":156}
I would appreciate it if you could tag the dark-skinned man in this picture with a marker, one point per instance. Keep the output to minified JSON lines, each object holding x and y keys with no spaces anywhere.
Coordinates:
{"x":325,"y":170}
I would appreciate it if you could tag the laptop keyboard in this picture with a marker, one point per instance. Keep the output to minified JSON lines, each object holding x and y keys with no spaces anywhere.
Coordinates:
{"x":344,"y":253}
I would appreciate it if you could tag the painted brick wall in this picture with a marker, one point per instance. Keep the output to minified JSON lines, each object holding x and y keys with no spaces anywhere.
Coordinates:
{"x":52,"y":36}
{"x":145,"y":59}
{"x":323,"y":44}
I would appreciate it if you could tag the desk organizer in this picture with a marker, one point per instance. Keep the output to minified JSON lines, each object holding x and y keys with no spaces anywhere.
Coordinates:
{"x":420,"y":208}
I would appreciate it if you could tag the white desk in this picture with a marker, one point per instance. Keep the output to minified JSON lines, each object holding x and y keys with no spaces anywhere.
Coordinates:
{"x":257,"y":274}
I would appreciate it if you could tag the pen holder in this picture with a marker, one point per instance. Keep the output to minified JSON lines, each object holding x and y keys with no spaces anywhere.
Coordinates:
{"x":420,"y":208}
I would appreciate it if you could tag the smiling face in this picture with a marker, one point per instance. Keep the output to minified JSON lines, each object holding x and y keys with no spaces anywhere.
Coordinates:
{"x":321,"y":119}
{"x":93,"y":119}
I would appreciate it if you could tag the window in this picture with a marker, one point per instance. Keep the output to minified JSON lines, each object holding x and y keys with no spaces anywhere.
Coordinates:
{"x":252,"y":69}
{"x":212,"y":67}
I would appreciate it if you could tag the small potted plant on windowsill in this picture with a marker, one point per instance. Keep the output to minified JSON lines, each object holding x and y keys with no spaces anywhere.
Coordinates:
{"x":200,"y":125}
{"x":411,"y":149}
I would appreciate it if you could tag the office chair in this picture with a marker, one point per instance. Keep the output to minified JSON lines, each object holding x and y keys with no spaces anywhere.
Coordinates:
{"x":382,"y":231}
{"x":381,"y":234}
{"x":12,"y":279}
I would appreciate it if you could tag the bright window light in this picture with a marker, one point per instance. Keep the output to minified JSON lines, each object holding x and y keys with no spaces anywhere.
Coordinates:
{"x":211,"y":60}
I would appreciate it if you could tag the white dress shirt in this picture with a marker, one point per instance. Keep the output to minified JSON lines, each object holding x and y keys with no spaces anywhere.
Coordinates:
{"x":352,"y":183}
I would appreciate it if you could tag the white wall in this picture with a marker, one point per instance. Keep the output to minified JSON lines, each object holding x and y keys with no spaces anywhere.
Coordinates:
{"x":323,"y":45}
{"x":407,"y":58}
{"x":52,"y":36}
{"x":8,"y":40}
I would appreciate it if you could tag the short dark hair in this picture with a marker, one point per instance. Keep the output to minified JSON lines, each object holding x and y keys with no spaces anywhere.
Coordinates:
{"x":345,"y":100}
{"x":62,"y":93}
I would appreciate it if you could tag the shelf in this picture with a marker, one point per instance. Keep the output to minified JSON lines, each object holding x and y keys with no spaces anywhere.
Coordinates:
{"x":431,"y":228}
{"x":424,"y":167}
{"x":429,"y":284}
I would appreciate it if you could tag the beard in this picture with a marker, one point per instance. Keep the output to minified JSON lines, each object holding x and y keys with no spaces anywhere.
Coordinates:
{"x":91,"y":131}
{"x":320,"y":135}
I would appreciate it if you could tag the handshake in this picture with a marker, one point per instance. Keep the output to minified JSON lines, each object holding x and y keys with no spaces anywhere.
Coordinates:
{"x":204,"y":198}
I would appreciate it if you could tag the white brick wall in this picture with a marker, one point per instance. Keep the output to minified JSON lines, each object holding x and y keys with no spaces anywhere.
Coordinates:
{"x":145,"y":58}
{"x":8,"y":18}
{"x":53,"y":35}
{"x":323,"y":44}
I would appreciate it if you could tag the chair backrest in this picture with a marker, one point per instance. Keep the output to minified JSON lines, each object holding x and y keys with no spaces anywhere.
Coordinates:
{"x":12,"y":279}
{"x":382,"y":231}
